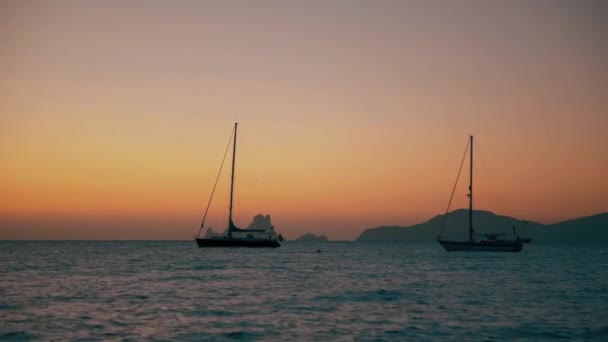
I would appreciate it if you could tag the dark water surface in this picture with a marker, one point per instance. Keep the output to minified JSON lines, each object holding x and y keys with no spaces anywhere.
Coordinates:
{"x":173,"y":290}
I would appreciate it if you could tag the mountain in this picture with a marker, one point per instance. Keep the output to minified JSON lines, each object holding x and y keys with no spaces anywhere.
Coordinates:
{"x":456,"y":227}
{"x":309,"y":237}
{"x":591,"y":229}
{"x":585,"y":230}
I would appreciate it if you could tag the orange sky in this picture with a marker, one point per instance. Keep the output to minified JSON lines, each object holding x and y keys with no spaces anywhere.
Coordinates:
{"x":114,"y":114}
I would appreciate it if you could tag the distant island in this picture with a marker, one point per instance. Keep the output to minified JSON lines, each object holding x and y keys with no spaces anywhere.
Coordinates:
{"x":584,"y":230}
{"x":309,"y":237}
{"x":260,"y":221}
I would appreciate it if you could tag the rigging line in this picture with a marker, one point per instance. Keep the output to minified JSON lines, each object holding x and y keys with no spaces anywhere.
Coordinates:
{"x":445,"y":216}
{"x":215,"y":185}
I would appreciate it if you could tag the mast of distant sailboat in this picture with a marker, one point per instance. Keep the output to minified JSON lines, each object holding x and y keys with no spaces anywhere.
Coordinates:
{"x":230,"y":224}
{"x":471,"y":189}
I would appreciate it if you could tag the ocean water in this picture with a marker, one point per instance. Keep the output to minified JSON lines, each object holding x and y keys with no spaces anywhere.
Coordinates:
{"x":161,"y":290}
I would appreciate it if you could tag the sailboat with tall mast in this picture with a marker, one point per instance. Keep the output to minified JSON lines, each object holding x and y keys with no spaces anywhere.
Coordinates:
{"x":478,"y":242}
{"x":235,"y":236}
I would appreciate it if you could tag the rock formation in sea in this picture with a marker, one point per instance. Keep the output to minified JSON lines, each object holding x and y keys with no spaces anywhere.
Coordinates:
{"x":309,"y":237}
{"x":260,"y":221}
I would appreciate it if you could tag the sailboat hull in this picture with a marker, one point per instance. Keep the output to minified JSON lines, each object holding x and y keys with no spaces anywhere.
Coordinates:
{"x":468,"y":246}
{"x":237,"y":243}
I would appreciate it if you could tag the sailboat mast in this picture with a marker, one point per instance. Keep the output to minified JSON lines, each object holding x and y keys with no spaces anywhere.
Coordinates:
{"x":230,"y":224}
{"x":471,"y":190}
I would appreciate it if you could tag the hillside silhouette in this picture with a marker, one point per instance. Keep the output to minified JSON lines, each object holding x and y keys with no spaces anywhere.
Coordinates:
{"x":584,"y":230}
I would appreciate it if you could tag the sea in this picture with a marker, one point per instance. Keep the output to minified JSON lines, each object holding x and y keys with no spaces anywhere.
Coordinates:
{"x":172,"y":290}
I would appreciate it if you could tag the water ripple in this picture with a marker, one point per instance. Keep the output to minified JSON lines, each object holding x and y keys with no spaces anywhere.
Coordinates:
{"x":172,"y":290}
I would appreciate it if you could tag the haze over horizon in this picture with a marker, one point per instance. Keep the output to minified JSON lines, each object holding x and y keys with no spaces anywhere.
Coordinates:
{"x":114,"y":115}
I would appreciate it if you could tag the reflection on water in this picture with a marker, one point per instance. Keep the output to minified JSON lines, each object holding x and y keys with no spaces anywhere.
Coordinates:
{"x":173,"y":290}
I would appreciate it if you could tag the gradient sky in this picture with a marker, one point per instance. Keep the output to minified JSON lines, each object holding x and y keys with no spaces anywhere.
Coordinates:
{"x":114,"y":115}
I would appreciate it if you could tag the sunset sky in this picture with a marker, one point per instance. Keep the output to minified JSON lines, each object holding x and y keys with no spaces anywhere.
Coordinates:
{"x":114,"y":115}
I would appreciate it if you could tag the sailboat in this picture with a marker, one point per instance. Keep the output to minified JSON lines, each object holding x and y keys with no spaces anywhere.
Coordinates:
{"x":478,"y":242}
{"x":235,"y":236}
